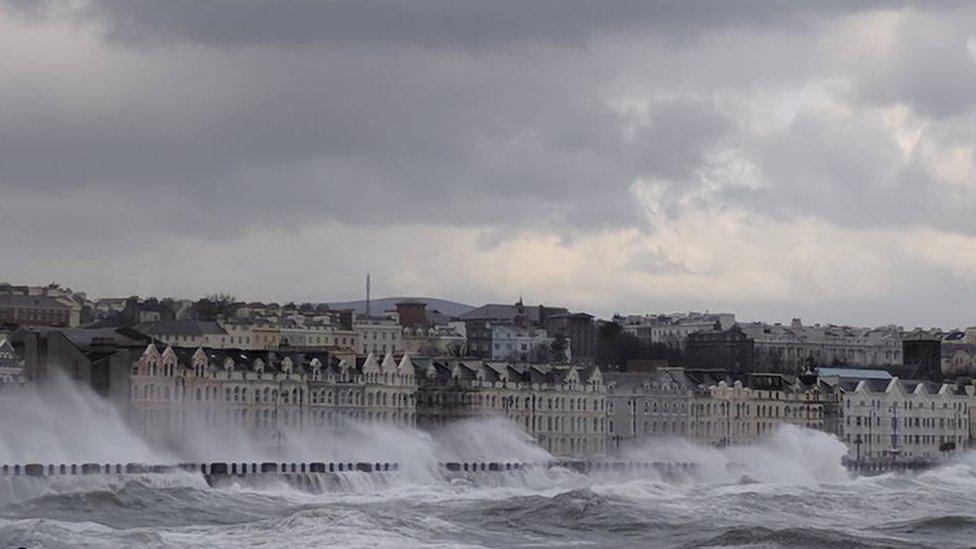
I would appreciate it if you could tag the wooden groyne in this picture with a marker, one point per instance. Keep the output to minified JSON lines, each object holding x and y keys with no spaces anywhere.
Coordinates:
{"x":221,"y":472}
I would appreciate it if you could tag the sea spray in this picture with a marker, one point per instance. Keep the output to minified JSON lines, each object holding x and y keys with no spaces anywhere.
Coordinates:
{"x":790,"y":455}
{"x":486,"y":439}
{"x":798,"y":495}
{"x":64,"y":422}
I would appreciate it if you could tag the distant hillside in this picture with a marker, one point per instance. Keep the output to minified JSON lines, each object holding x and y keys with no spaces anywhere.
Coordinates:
{"x":450,"y":308}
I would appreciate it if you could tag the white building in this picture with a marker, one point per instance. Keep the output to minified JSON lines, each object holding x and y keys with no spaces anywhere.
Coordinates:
{"x":646,"y":406}
{"x":11,"y":367}
{"x":794,"y":347}
{"x":673,"y":329}
{"x":561,"y":407}
{"x":377,"y":334}
{"x":520,"y":344}
{"x":904,"y":420}
{"x":175,"y":391}
{"x":300,"y":332}
{"x":194,"y":334}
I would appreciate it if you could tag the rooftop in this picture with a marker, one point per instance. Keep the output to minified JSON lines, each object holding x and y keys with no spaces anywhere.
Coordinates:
{"x":855,"y":373}
{"x":19,"y":300}
{"x":181,"y":327}
{"x":506,"y":313}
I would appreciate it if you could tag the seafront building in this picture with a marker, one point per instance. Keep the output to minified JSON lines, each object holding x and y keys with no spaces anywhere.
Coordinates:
{"x":906,"y":421}
{"x":167,"y":391}
{"x":267,"y":368}
{"x":745,"y":411}
{"x":642,"y":407}
{"x":173,"y":391}
{"x":11,"y":369}
{"x":562,"y":407}
{"x":712,"y":407}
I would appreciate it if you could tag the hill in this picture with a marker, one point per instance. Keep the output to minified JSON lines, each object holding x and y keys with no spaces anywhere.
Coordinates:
{"x":449,"y":308}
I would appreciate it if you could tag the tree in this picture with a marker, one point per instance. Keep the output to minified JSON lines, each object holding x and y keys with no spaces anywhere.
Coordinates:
{"x":614,"y":347}
{"x":213,"y":306}
{"x":558,"y":346}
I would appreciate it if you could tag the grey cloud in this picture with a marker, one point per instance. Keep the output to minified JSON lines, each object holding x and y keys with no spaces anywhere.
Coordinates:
{"x":438,"y":23}
{"x":931,"y":66}
{"x":851,"y":173}
{"x":364,"y":137}
{"x":382,"y":134}
{"x":679,"y":136}
{"x":222,"y":119}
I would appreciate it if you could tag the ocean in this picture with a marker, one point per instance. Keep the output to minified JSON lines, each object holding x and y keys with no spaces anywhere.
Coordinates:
{"x":787,"y":491}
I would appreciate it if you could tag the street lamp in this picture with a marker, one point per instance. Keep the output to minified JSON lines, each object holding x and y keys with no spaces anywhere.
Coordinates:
{"x":871,"y":416}
{"x":728,"y":422}
{"x":894,"y":432}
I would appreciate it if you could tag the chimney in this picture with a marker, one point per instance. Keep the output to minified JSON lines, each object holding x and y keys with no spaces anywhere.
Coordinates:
{"x":412,"y":313}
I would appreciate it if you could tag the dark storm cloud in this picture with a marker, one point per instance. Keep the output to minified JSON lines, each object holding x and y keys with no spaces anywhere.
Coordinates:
{"x":438,"y":23}
{"x":501,"y":117}
{"x":361,"y":136}
{"x":221,"y":116}
{"x":248,"y":133}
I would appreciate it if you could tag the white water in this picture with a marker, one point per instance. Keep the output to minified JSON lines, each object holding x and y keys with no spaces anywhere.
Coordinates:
{"x":787,"y":490}
{"x":62,"y":422}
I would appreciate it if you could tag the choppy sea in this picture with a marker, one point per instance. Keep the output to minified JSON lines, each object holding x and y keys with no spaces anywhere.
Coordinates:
{"x":789,"y":491}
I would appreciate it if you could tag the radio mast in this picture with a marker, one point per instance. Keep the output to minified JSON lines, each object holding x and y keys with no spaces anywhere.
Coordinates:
{"x":367,"y":294}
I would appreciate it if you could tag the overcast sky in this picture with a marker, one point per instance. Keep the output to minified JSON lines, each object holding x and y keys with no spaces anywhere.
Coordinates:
{"x":771,"y":159}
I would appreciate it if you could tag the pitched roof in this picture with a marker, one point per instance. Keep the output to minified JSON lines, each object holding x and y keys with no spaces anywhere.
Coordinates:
{"x":389,"y":365}
{"x":506,"y":313}
{"x":39,"y":301}
{"x":182,"y":327}
{"x":86,"y":337}
{"x":855,"y":373}
{"x":272,"y":361}
{"x":370,"y":366}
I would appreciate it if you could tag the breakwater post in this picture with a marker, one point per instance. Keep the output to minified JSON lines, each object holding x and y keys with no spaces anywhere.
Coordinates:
{"x":222,"y":472}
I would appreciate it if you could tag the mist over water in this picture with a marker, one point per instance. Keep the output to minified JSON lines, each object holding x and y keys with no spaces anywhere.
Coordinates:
{"x":790,"y":455}
{"x":63,"y":422}
{"x":789,"y":490}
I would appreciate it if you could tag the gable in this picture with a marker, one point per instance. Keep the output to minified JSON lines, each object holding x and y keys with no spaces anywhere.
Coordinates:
{"x":8,"y":358}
